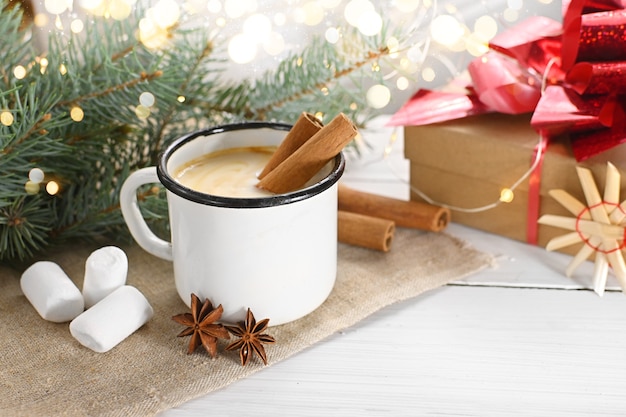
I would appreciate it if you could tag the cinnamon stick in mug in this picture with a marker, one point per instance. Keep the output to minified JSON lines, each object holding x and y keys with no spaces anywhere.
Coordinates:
{"x":404,"y":213}
{"x":365,"y":231}
{"x":309,"y":158}
{"x":305,"y":127}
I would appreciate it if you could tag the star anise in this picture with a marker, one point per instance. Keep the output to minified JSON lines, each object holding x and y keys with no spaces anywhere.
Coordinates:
{"x":201,"y":325}
{"x":251,"y":340}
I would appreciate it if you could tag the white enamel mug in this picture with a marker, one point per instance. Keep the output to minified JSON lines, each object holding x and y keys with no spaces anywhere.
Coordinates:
{"x":276,"y":255}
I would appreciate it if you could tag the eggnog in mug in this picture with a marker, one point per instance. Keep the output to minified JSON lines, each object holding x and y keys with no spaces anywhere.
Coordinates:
{"x":227,"y":173}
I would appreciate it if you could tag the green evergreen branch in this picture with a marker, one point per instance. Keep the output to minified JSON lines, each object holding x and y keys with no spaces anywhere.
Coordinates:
{"x":143,"y":77}
{"x":332,"y":78}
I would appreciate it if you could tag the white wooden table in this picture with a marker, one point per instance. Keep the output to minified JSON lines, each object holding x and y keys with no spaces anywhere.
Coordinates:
{"x":517,"y":339}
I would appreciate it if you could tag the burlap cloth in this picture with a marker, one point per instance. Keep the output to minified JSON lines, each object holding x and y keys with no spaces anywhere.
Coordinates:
{"x":45,"y":371}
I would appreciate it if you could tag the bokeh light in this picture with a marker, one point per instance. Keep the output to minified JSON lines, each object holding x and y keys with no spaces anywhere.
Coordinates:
{"x":370,"y":23}
{"x":56,"y":7}
{"x":402,"y":83}
{"x":355,"y":9}
{"x":77,"y":26}
{"x":332,"y":35}
{"x":378,"y":96}
{"x":242,"y":49}
{"x":446,"y":30}
{"x":486,"y":27}
{"x":274,"y":44}
{"x":407,"y":6}
{"x":258,"y":27}
{"x":313,"y":14}
{"x":433,"y":45}
{"x":214,"y":6}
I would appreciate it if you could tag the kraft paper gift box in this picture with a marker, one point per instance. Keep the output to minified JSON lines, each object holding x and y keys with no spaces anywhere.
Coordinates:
{"x":467,"y":162}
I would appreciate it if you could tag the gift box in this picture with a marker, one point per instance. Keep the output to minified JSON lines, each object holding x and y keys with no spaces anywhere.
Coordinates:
{"x":543,"y":88}
{"x":466,"y":163}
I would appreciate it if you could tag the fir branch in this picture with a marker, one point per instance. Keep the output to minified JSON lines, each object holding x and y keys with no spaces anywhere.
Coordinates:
{"x":168,"y":115}
{"x":333,"y":77}
{"x":320,"y":79}
{"x":143,"y":77}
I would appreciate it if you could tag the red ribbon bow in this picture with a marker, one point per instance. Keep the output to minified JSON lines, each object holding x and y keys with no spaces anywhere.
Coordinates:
{"x":571,"y":76}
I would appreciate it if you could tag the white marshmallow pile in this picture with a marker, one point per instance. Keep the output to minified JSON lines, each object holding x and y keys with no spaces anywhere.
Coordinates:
{"x":114,"y":310}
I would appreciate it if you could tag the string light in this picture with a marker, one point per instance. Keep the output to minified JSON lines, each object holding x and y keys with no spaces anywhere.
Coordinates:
{"x":147,"y":99}
{"x":77,"y":114}
{"x":52,"y":187}
{"x":19,"y":72}
{"x":36,"y":175}
{"x":6,"y":118}
{"x":31,"y":187}
{"x":43,"y":65}
{"x":506,"y":195}
{"x":142,"y":111}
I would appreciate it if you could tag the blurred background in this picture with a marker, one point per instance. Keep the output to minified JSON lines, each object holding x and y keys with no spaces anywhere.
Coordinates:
{"x":433,"y":40}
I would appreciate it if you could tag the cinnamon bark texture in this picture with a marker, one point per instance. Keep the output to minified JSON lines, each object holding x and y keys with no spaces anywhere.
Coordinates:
{"x":411,"y":214}
{"x":365,"y":231}
{"x":309,"y":158}
{"x":305,"y":127}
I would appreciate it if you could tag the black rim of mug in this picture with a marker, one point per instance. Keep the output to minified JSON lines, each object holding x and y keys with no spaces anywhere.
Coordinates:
{"x":259,"y":202}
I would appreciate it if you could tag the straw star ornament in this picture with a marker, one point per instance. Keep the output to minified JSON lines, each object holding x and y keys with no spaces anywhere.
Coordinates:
{"x":600,"y":225}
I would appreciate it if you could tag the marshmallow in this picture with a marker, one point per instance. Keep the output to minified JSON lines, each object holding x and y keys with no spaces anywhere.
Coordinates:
{"x":105,"y":271}
{"x":112,"y":320}
{"x":51,"y":292}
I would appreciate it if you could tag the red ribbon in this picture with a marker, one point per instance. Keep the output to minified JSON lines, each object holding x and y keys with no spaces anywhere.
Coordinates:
{"x":582,"y":62}
{"x":534,"y":200}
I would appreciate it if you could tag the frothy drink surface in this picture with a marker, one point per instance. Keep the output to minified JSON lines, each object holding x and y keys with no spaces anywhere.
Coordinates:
{"x":227,"y":173}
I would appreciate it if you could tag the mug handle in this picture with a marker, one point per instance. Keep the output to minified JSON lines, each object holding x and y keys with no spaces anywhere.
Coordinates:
{"x":132,"y":215}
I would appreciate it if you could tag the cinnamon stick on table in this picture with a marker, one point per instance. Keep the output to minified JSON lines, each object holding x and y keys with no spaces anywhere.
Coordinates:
{"x":299,"y":167}
{"x":404,"y":213}
{"x":305,"y":127}
{"x":365,"y":231}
